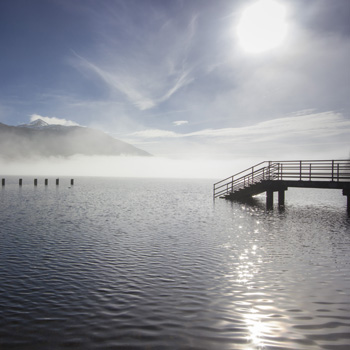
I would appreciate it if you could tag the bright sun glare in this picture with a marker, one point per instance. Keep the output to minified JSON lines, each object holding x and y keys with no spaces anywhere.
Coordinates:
{"x":262,"y":26}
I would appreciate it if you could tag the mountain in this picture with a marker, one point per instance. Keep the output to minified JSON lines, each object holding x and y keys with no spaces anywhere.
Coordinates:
{"x":39,"y":139}
{"x":36,"y":124}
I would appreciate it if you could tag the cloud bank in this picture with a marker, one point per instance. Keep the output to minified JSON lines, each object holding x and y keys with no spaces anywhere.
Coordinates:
{"x":310,"y":134}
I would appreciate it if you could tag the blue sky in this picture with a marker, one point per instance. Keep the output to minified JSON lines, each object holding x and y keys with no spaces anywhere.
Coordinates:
{"x":171,"y":76}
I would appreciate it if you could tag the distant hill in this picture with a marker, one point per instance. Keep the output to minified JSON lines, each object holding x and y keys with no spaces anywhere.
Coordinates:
{"x":39,"y":139}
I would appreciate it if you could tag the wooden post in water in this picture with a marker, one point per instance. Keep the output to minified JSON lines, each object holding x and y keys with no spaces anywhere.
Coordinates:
{"x":346,"y":192}
{"x":269,"y":199}
{"x":35,"y":182}
{"x":20,"y":182}
{"x":46,"y":182}
{"x":3,"y":182}
{"x":72,"y":182}
{"x":57,"y":182}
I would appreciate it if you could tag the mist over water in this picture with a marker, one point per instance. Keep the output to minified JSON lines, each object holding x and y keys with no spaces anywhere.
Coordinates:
{"x":113,"y":263}
{"x":124,"y":166}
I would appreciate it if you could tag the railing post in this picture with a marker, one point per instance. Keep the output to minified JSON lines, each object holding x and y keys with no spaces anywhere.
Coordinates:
{"x":252,"y":175}
{"x":332,"y":169}
{"x":269,"y":174}
{"x":310,"y":172}
{"x":281,"y":171}
{"x":232,"y":185}
{"x":338,"y":172}
{"x":300,"y":167}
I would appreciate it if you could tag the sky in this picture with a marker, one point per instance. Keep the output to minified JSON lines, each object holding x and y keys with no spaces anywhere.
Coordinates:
{"x":180,"y":79}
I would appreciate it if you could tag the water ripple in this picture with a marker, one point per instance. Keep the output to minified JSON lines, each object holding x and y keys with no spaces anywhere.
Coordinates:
{"x":141,"y":264}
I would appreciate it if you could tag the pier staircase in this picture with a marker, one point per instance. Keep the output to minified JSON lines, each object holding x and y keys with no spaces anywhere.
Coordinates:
{"x":277,"y":176}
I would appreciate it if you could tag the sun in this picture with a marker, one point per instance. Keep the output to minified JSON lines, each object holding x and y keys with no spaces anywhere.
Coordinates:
{"x":262,"y":26}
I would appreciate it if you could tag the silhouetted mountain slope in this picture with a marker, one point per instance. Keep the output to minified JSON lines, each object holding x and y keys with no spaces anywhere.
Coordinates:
{"x":43,"y":140}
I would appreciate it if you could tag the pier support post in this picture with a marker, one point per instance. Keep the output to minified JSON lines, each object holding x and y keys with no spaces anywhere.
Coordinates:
{"x":269,"y":199}
{"x":35,"y":182}
{"x":57,"y":182}
{"x":346,"y":192}
{"x":72,"y":182}
{"x":46,"y":182}
{"x":20,"y":182}
{"x":281,"y":198}
{"x":3,"y":182}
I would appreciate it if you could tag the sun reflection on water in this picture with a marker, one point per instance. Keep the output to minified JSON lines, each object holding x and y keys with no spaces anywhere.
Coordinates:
{"x":256,"y":329}
{"x":261,"y":318}
{"x":246,"y":268}
{"x":257,"y":306}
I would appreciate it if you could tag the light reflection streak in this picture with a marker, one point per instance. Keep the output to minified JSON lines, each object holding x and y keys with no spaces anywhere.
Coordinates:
{"x":256,"y":309}
{"x":247,"y":268}
{"x":256,"y":329}
{"x":257,"y":312}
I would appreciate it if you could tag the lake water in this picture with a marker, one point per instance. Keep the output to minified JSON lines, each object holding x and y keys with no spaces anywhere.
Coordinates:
{"x":156,"y":264}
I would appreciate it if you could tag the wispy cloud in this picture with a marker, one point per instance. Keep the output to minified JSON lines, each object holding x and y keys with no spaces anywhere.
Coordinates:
{"x":311,"y":135}
{"x":121,"y":82}
{"x":147,"y":70}
{"x":135,"y":89}
{"x":320,"y":125}
{"x":314,"y":125}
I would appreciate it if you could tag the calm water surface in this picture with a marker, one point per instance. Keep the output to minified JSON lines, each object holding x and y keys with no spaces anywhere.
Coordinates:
{"x":155,"y":264}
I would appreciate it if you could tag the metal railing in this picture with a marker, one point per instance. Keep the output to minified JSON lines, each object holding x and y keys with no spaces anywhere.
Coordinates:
{"x":288,"y":170}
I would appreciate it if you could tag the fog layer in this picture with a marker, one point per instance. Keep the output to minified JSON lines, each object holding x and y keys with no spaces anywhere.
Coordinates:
{"x":120,"y":166}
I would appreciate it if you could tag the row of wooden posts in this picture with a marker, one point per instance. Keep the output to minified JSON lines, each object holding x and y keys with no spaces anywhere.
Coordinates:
{"x":36,"y":182}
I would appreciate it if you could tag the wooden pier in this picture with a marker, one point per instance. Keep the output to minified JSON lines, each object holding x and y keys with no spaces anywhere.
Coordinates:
{"x":278,"y":176}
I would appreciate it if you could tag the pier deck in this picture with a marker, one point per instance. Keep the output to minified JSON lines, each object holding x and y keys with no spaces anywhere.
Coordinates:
{"x":278,"y":176}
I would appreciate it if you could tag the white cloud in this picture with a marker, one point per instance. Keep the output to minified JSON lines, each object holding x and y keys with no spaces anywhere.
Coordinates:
{"x":180,"y":122}
{"x":53,"y":120}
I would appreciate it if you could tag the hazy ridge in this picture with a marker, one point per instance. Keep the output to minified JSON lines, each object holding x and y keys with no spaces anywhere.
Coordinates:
{"x":39,"y":139}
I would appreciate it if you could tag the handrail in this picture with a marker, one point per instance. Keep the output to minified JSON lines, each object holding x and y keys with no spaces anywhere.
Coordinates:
{"x":297,"y":170}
